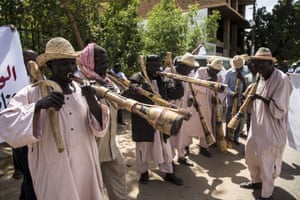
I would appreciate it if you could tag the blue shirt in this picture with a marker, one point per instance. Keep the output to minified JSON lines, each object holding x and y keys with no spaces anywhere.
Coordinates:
{"x":119,"y":74}
{"x":230,"y":79}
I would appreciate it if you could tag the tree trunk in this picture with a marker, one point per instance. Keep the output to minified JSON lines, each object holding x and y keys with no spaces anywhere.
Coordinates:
{"x":73,"y":24}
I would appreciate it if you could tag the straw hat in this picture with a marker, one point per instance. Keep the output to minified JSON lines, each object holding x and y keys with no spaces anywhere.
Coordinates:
{"x":263,"y":53}
{"x":216,"y":63}
{"x":57,"y":48}
{"x":210,"y":59}
{"x":237,"y":62}
{"x":188,"y":59}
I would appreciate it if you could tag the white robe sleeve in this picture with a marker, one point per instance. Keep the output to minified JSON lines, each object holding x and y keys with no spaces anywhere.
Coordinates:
{"x":279,"y":101}
{"x":17,"y":121}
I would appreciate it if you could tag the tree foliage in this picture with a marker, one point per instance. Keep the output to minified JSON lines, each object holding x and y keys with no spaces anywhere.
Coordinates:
{"x":38,"y":21}
{"x":119,"y":33}
{"x":201,"y":32}
{"x":165,"y":29}
{"x":111,"y":24}
{"x":280,"y":31}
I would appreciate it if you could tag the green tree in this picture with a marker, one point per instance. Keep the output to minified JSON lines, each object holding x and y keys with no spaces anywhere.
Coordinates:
{"x":38,"y":21}
{"x":168,"y":29}
{"x":201,"y":32}
{"x":119,"y":33}
{"x":165,"y":30}
{"x":280,"y":31}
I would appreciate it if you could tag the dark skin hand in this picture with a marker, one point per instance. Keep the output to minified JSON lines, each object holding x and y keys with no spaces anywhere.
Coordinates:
{"x":53,"y":100}
{"x":90,"y":94}
{"x":256,"y":96}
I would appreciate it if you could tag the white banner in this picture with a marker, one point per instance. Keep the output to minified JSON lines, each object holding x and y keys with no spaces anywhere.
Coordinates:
{"x":294,"y":113}
{"x":13,"y":76}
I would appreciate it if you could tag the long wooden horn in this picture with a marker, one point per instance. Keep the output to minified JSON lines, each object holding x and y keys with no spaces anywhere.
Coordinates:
{"x":37,"y":80}
{"x":219,"y":87}
{"x":161,"y":118}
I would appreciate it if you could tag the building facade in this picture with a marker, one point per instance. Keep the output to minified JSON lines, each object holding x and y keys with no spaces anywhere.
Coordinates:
{"x":232,"y":23}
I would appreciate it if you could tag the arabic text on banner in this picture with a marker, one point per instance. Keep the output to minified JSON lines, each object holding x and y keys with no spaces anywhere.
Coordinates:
{"x":13,"y":76}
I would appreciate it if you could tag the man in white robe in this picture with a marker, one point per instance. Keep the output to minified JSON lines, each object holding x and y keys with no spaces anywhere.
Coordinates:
{"x":94,"y":64}
{"x":75,"y":172}
{"x":204,"y":97}
{"x":233,"y":76}
{"x":184,"y":66}
{"x":151,"y":145}
{"x":268,"y":130}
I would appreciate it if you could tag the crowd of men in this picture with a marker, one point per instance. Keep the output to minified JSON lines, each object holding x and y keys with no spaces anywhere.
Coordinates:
{"x":91,"y":159}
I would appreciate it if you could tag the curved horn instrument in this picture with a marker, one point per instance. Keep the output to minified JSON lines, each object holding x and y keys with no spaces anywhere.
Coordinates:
{"x":234,"y":111}
{"x":219,"y":87}
{"x":220,"y":136}
{"x":125,"y":84}
{"x":36,"y":78}
{"x":168,"y":62}
{"x":34,"y":72}
{"x":234,"y":122}
{"x":161,"y":118}
{"x":52,"y":112}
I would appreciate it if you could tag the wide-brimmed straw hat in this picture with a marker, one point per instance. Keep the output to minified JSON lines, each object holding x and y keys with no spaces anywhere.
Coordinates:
{"x":189,"y":59}
{"x":237,"y":62}
{"x":216,"y":63}
{"x":263,"y":53}
{"x":57,"y":48}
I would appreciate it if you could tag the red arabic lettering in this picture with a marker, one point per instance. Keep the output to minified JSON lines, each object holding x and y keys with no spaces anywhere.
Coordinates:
{"x":3,"y":79}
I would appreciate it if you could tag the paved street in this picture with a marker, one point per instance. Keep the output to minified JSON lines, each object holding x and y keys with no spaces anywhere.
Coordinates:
{"x":215,"y":178}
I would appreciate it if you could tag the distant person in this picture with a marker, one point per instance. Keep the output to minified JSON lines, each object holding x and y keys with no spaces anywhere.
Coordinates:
{"x":117,"y":70}
{"x":234,"y":78}
{"x":206,"y":98}
{"x":284,"y":67}
{"x":178,"y":92}
{"x":250,"y":78}
{"x":269,"y":125}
